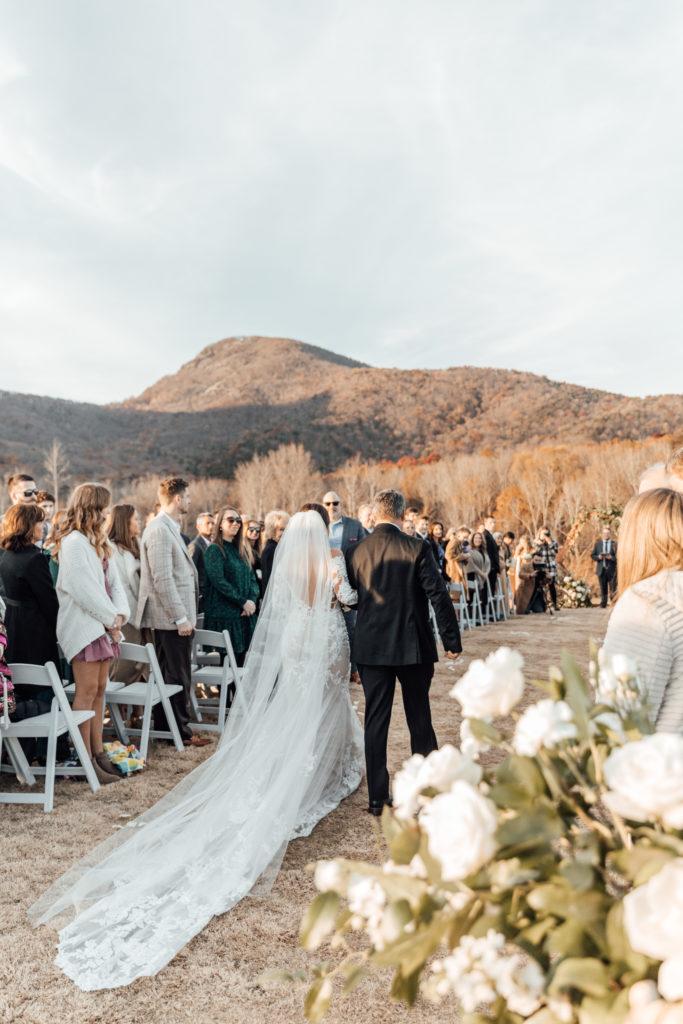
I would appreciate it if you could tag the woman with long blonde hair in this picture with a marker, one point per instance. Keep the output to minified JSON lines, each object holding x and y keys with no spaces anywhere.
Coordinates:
{"x":92,"y":610}
{"x":647,"y":621}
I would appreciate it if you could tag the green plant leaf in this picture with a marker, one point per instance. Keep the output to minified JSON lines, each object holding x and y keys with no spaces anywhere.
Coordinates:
{"x":576,"y":694}
{"x":619,"y":947}
{"x":317,"y":1001}
{"x":585,"y":974}
{"x":404,"y":988}
{"x":639,"y":863}
{"x":319,"y":920}
{"x":405,"y":845}
{"x":411,"y":952}
{"x":568,"y":939}
{"x":353,"y":975}
{"x":523,"y":772}
{"x":482,"y":730}
{"x":580,"y":876}
{"x":527,"y":831}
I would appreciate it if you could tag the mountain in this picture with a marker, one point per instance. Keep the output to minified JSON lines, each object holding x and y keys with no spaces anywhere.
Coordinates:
{"x":249,"y":394}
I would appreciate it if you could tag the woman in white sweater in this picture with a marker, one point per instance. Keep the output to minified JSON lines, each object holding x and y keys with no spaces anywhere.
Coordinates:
{"x":92,"y":610}
{"x":647,"y":621}
{"x":124,"y":534}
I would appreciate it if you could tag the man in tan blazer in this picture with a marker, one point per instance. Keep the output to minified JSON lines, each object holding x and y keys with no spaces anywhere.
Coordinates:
{"x":169,"y":592}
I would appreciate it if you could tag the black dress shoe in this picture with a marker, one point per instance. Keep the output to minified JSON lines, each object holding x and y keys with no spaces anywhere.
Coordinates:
{"x":377,"y":809}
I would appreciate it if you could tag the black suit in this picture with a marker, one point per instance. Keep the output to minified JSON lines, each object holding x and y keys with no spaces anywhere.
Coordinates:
{"x":606,"y":568}
{"x":197,"y":550}
{"x":267,"y":556}
{"x":494,"y":558}
{"x":396,"y":578}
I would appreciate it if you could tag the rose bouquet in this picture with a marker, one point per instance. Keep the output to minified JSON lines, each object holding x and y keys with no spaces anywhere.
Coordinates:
{"x":574,"y":593}
{"x":547,"y":887}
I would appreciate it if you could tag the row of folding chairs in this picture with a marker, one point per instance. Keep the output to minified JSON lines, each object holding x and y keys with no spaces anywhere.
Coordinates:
{"x":468,"y":605}
{"x":214,"y":668}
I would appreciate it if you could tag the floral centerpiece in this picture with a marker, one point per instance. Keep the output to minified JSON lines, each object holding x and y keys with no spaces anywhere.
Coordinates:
{"x":573,"y":592}
{"x":547,"y":887}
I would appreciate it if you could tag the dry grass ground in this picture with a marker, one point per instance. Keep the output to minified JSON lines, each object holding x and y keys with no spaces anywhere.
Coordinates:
{"x":215,"y":978}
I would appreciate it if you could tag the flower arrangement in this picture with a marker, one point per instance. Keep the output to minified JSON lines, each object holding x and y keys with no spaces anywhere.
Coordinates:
{"x":545,"y":888}
{"x":574,"y":593}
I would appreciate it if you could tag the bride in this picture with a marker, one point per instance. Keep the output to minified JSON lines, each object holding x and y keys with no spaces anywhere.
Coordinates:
{"x":291,"y":751}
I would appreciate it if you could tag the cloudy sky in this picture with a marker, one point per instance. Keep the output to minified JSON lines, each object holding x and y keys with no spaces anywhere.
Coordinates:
{"x":409,"y":182}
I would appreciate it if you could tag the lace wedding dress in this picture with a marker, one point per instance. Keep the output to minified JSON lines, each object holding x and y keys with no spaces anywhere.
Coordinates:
{"x":291,"y":751}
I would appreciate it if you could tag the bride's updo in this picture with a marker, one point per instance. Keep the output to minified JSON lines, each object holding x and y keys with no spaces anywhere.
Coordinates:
{"x":313,"y":506}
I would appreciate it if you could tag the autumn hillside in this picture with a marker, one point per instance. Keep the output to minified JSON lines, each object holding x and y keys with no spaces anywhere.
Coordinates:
{"x":248,"y":395}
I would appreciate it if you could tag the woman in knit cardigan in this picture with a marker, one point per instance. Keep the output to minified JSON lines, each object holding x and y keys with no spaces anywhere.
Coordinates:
{"x":232,"y":589}
{"x":647,"y":621}
{"x":92,"y":610}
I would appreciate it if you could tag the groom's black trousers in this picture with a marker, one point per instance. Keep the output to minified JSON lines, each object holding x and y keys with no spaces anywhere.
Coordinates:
{"x":379,"y":684}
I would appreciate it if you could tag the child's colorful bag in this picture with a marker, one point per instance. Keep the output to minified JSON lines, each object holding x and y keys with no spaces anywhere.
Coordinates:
{"x":7,"y":696}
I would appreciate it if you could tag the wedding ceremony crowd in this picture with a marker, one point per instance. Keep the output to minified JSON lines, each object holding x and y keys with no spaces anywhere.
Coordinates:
{"x":77,"y":581}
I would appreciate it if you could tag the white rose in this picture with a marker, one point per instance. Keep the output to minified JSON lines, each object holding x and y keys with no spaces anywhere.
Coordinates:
{"x":521,"y":983}
{"x":460,"y":826}
{"x":436,"y":771}
{"x":653,"y":919}
{"x":329,"y":877}
{"x":491,"y":687}
{"x":544,"y":724}
{"x":645,"y":779}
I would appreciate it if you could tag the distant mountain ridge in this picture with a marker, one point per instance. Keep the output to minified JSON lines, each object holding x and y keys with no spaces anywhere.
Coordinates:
{"x":250,"y":394}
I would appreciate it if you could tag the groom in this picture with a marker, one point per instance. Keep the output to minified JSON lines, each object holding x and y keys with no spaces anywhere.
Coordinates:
{"x":396,"y":577}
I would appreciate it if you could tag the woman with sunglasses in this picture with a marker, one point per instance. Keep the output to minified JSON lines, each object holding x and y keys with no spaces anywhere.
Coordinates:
{"x":252,"y":534}
{"x":232,"y":589}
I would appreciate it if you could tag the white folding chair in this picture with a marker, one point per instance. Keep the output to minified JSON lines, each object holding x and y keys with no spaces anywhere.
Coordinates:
{"x":16,"y":754}
{"x":60,"y":719}
{"x":223,"y":676}
{"x":477,"y":615}
{"x":460,"y":604}
{"x":510,"y":596}
{"x":500,"y":601}
{"x":146,"y":695}
{"x":490,"y":615}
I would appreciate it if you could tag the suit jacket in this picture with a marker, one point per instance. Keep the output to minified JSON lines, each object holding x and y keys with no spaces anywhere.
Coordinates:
{"x":197,"y":551}
{"x":352,"y":532}
{"x":32,"y":606}
{"x":267,"y":556}
{"x":492,"y":551}
{"x":396,"y":577}
{"x":604,"y":565}
{"x":169,"y":586}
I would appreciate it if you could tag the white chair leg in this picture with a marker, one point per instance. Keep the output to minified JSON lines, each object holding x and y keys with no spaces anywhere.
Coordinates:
{"x":22,"y":769}
{"x":170,"y":718}
{"x":119,"y":724}
{"x":50,"y":772}
{"x":146,"y":725}
{"x":86,"y":762}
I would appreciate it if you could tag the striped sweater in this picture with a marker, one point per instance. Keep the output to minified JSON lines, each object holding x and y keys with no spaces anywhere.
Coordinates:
{"x":647,"y":625}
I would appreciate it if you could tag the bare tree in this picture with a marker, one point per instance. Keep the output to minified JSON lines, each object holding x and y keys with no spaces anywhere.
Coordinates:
{"x":284,"y":478}
{"x":57,"y":466}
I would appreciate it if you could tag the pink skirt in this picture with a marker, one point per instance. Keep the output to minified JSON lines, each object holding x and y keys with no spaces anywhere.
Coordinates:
{"x":102,"y":649}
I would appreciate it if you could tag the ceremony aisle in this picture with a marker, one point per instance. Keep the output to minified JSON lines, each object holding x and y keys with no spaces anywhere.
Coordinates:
{"x":216,"y":978}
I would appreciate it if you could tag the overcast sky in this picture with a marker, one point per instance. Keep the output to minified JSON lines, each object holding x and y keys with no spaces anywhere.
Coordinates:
{"x":409,"y":182}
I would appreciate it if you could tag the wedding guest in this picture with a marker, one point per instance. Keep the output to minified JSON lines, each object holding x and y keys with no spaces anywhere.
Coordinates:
{"x":204,"y":524}
{"x":366,"y":517}
{"x":478,"y":566}
{"x":92,"y":610}
{"x":546,"y":557}
{"x":232,"y":589}
{"x":667,"y":474}
{"x":30,"y":597}
{"x":167,"y":603}
{"x":436,"y":541}
{"x":409,"y":527}
{"x":523,"y":574}
{"x":343,"y":530}
{"x":508,"y":548}
{"x":22,"y":489}
{"x":604,"y":554}
{"x":47,"y":503}
{"x":646,"y":623}
{"x":273,"y":528}
{"x":456,"y":559}
{"x":124,"y":538}
{"x":422,"y":527}
{"x":491,"y":547}
{"x":411,"y":513}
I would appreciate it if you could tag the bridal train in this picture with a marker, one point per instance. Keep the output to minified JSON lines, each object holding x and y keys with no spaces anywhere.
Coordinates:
{"x":292,"y":750}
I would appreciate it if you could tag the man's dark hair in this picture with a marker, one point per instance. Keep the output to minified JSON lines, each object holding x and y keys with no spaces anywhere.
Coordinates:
{"x":390,"y":504}
{"x":509,"y":534}
{"x":313,"y":506}
{"x":171,"y":486}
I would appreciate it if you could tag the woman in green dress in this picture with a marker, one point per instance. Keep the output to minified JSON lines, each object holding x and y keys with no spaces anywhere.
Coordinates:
{"x":232,"y":589}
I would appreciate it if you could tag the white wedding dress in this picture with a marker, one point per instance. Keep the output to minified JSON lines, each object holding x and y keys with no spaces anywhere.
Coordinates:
{"x":291,"y":751}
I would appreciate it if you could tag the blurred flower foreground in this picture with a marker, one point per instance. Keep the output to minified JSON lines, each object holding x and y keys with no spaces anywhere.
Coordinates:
{"x":546,"y":887}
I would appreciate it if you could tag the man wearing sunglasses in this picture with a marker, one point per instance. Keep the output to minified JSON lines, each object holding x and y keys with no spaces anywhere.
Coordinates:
{"x":344,"y":530}
{"x":22,"y":489}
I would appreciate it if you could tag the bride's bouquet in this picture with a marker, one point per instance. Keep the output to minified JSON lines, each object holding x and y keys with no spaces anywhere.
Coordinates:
{"x":546,"y":887}
{"x":573,"y":592}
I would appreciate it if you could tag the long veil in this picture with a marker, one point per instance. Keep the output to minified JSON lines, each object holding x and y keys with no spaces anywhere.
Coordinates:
{"x":138,"y":897}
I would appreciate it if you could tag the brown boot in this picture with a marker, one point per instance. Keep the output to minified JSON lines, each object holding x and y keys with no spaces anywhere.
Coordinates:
{"x":104,"y":776}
